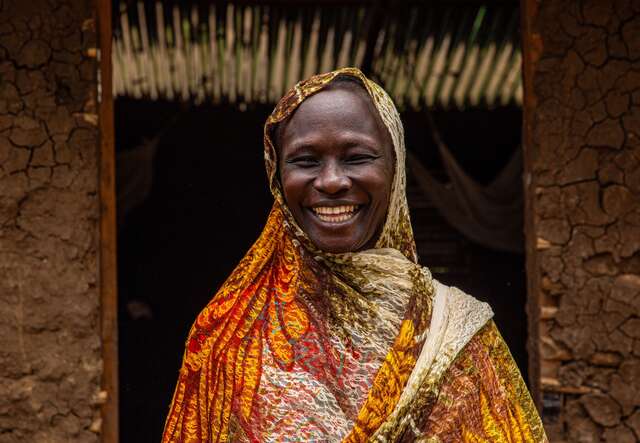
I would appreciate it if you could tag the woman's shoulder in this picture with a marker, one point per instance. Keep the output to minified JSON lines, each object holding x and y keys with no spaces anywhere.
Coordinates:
{"x":460,"y":307}
{"x":456,"y":317}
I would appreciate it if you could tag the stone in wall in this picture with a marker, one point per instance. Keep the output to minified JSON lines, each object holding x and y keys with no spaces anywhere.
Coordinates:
{"x":50,"y":352}
{"x":585,"y":189}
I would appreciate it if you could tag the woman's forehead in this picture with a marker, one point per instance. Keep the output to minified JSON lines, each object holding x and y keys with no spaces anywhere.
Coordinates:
{"x":340,"y":106}
{"x":344,"y":106}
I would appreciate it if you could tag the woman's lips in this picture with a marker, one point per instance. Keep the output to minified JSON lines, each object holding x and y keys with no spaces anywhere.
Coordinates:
{"x":335,"y":214}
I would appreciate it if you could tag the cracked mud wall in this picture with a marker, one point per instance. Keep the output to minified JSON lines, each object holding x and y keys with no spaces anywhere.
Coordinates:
{"x":50,"y":352}
{"x":582,"y":141}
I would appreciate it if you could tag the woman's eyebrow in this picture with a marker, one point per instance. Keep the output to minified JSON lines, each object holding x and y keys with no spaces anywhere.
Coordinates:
{"x":305,"y":145}
{"x":300,"y":148}
{"x":370,"y":146}
{"x":361,"y":144}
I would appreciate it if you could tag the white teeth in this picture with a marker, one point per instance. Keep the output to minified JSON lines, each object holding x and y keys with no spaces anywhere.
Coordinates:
{"x":335,"y":214}
{"x":334,"y":209}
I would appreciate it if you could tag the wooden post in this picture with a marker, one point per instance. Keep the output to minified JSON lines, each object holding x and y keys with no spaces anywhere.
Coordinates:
{"x":531,"y":52}
{"x":108,"y":275}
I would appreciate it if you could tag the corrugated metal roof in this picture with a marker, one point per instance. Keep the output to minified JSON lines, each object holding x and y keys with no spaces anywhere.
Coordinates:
{"x":435,"y":55}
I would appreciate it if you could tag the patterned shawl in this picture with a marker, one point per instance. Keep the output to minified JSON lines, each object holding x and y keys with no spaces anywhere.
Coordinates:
{"x":302,"y":345}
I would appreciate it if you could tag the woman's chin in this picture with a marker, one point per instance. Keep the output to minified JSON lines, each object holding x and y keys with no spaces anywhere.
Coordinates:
{"x":338,"y":245}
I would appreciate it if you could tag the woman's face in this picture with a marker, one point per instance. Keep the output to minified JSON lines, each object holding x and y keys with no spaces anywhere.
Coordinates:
{"x":336,"y":166}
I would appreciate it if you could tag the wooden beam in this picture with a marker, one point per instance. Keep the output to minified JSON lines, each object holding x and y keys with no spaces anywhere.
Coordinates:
{"x":108,"y":275}
{"x":531,"y":53}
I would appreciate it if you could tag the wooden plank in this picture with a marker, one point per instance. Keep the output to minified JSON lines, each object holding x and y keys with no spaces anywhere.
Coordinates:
{"x":108,"y":276}
{"x":531,"y":53}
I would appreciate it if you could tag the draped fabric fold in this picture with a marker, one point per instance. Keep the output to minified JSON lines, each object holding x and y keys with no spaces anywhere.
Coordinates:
{"x":490,"y":215}
{"x":302,"y":345}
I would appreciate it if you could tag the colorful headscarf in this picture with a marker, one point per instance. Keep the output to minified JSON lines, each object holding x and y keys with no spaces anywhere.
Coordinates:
{"x":299,"y":344}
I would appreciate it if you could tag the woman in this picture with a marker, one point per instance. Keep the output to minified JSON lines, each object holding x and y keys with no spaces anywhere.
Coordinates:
{"x":328,"y":329}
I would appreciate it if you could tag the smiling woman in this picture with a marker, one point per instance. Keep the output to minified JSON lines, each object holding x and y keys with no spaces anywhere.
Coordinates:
{"x":336,"y":167}
{"x":329,"y":329}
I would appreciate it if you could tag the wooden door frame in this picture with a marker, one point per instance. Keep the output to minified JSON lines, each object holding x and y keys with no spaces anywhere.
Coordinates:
{"x":108,"y":232}
{"x":530,"y":54}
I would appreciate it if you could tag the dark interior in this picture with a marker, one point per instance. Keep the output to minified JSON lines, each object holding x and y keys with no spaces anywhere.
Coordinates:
{"x":208,"y":203}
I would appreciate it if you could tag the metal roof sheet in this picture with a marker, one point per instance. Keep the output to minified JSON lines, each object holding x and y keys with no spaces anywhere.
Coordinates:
{"x":454,"y":55}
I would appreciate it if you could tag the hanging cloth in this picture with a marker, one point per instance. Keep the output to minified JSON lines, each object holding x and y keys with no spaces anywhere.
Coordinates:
{"x":490,"y":215}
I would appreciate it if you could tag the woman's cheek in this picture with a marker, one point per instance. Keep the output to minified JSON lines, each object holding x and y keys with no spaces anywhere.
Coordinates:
{"x":295,"y":184}
{"x":375,"y":176}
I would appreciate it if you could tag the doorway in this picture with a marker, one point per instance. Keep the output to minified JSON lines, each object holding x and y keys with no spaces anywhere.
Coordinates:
{"x":201,"y":200}
{"x":207,"y":202}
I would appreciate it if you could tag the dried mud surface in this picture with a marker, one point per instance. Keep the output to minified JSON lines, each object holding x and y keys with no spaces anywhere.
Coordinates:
{"x":50,"y":362}
{"x":586,"y":178}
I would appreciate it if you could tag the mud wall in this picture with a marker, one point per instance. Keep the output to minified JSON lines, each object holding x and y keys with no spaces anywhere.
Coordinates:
{"x":50,"y":361}
{"x":582,"y":143}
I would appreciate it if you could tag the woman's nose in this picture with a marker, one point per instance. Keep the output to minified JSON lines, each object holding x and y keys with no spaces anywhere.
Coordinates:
{"x":332,"y":179}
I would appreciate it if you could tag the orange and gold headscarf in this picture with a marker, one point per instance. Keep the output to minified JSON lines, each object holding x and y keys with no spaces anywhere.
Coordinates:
{"x":299,"y":344}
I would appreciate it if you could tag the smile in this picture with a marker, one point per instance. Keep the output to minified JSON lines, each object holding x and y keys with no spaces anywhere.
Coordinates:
{"x":335,"y":214}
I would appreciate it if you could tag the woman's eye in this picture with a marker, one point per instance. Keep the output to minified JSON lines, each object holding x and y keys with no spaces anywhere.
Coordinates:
{"x":305,"y":161}
{"x":360,"y":159}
